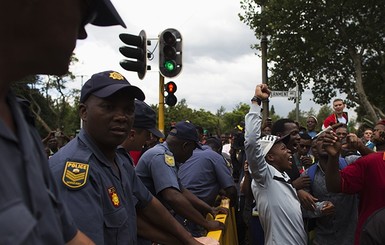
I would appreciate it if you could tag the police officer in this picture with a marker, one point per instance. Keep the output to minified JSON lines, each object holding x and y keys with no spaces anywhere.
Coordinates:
{"x":157,"y":168}
{"x":98,"y":184}
{"x":39,"y":39}
{"x":205,"y":173}
{"x":144,"y":126}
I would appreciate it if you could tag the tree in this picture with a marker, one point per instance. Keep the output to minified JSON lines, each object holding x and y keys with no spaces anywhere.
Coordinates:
{"x":327,"y":45}
{"x":301,"y":119}
{"x":274,"y":117}
{"x":323,"y":113}
{"x":236,"y":117}
{"x":53,"y":105}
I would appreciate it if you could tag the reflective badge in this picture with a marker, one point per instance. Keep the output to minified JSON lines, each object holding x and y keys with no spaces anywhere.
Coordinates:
{"x":116,"y":76}
{"x":169,"y":160}
{"x":75,"y":174}
{"x":113,"y":196}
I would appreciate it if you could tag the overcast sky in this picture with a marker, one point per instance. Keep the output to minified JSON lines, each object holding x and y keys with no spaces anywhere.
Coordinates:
{"x":219,"y":67}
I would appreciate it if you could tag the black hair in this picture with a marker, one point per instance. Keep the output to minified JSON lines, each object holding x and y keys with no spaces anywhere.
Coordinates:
{"x":305,"y":136}
{"x":279,"y":126}
{"x":199,"y":129}
{"x":215,"y":143}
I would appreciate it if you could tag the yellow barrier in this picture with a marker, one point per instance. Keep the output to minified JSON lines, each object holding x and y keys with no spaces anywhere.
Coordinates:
{"x":229,"y":235}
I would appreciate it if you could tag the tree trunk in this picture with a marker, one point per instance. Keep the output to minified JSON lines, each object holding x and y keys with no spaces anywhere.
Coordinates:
{"x":360,"y":88}
{"x":42,"y":122}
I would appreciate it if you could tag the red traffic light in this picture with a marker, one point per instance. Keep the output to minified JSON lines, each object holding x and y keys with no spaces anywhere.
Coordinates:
{"x":170,"y":87}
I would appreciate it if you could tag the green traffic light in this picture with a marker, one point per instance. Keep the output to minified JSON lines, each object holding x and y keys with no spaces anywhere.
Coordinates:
{"x":169,"y":65}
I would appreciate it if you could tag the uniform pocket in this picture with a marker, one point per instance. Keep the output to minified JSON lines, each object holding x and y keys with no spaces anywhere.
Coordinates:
{"x":16,"y":223}
{"x":116,"y":219}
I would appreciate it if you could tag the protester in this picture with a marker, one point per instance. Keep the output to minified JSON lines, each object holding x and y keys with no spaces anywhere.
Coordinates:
{"x":373,"y":231}
{"x":202,"y":134}
{"x":364,"y":177}
{"x":276,"y":199}
{"x":52,"y":146}
{"x":250,"y":215}
{"x":98,"y":184}
{"x":367,"y":138}
{"x":336,"y":214}
{"x":311,"y":124}
{"x":36,"y":38}
{"x":338,"y":116}
{"x":302,"y":158}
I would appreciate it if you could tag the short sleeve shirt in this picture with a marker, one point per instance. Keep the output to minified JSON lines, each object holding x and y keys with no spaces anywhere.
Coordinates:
{"x":205,"y":173}
{"x":366,"y":176}
{"x":158,"y":170}
{"x":101,"y":200}
{"x":31,"y":211}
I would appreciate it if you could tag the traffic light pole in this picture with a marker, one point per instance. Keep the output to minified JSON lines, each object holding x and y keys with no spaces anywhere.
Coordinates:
{"x":161,"y":104}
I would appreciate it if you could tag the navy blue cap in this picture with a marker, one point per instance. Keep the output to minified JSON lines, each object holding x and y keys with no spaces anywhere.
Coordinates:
{"x":145,"y":117}
{"x":106,"y":83}
{"x":106,"y":14}
{"x":185,"y":130}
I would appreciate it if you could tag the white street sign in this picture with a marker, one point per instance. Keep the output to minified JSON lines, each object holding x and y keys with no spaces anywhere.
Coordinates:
{"x":291,"y":94}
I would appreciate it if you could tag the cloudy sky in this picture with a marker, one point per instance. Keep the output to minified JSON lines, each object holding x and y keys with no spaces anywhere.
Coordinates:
{"x":219,"y":67}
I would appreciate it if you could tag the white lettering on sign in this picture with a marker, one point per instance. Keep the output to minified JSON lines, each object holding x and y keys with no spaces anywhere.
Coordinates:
{"x":283,"y":94}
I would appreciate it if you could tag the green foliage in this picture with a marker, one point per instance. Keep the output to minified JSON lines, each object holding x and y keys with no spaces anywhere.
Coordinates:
{"x":52,"y":103}
{"x":216,"y":124}
{"x":274,"y":117}
{"x":327,"y":46}
{"x":237,"y":116}
{"x":323,"y":113}
{"x":301,"y":119}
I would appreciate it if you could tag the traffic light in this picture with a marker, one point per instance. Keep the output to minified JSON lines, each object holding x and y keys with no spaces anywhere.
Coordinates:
{"x":170,"y":53}
{"x":137,"y":54}
{"x":170,"y":98}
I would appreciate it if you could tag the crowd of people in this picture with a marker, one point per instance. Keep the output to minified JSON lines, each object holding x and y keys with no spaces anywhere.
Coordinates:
{"x":340,"y":199}
{"x":287,"y":185}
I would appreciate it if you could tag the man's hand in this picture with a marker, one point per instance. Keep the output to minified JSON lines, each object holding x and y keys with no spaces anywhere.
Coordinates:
{"x":262,"y":91}
{"x":207,"y":240}
{"x":307,"y":200}
{"x":301,"y":182}
{"x":328,"y":208}
{"x":331,"y":143}
{"x":219,"y":210}
{"x":214,"y":225}
{"x":306,"y":161}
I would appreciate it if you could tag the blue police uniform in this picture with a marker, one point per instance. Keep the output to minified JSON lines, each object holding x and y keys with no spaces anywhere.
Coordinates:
{"x":99,"y":198}
{"x":157,"y":170}
{"x":205,"y":173}
{"x":30,"y":209}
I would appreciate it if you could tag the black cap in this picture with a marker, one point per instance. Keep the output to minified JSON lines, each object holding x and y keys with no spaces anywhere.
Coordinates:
{"x":186,"y":131}
{"x":106,"y":83}
{"x":106,"y":14}
{"x":145,"y":117}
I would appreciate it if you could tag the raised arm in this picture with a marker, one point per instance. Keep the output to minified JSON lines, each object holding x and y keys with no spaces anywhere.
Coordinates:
{"x":253,"y":121}
{"x":332,"y":175}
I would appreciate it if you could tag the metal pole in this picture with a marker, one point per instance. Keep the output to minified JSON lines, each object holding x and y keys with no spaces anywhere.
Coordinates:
{"x":265,"y":104}
{"x":297,"y":102}
{"x":161,"y":104}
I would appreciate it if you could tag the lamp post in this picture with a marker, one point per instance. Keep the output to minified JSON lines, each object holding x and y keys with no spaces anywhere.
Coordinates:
{"x":265,"y":104}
